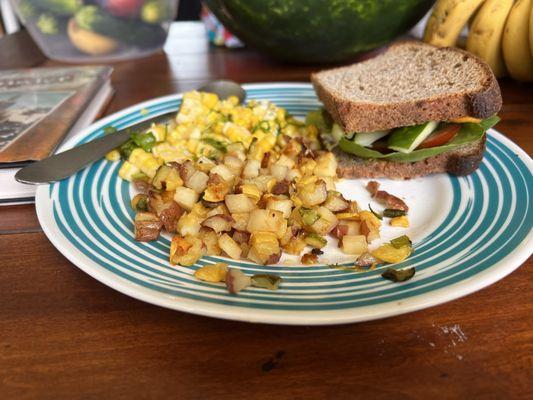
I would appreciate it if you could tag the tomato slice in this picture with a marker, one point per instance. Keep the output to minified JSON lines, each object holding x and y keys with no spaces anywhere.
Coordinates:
{"x":440,"y":136}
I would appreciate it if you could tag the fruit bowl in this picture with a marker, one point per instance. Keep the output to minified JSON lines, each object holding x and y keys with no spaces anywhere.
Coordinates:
{"x":318,"y":30}
{"x":97,"y":30}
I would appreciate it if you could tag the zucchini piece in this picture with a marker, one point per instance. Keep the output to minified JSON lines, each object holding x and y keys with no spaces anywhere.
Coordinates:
{"x":406,"y":139}
{"x":59,"y":7}
{"x":132,"y":32}
{"x":367,"y":138}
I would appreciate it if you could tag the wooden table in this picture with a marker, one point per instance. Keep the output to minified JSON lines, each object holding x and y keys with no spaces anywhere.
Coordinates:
{"x":65,"y":335}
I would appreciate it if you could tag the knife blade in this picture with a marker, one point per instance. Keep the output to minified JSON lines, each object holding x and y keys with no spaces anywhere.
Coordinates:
{"x":65,"y":164}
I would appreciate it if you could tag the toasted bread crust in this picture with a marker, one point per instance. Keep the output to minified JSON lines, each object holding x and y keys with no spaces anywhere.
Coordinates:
{"x":462,"y":161}
{"x":356,"y":116}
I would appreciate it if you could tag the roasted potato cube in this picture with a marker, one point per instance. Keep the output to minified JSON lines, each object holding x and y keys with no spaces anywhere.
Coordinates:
{"x":279,"y":172}
{"x":251,"y":169}
{"x":210,"y":240}
{"x":185,"y":250}
{"x":212,"y":272}
{"x":239,"y":203}
{"x":325,"y":223}
{"x":264,"y":248}
{"x":224,"y":172}
{"x":217,"y":188}
{"x":266,"y":221}
{"x":197,"y":181}
{"x":312,"y":194}
{"x":354,"y":244}
{"x":230,"y":246}
{"x":185,"y":197}
{"x":240,"y":221}
{"x":280,"y":203}
{"x":147,"y":226}
{"x":219,"y":223}
{"x":326,"y":165}
{"x":189,"y":224}
{"x":346,"y":227}
{"x":335,"y":202}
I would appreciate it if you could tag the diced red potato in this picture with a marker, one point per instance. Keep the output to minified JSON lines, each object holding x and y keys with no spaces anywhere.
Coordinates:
{"x":224,"y":172}
{"x":217,"y":188}
{"x":197,"y":181}
{"x":251,"y":169}
{"x":147,"y":226}
{"x":189,"y":224}
{"x":186,"y":170}
{"x":266,"y":221}
{"x":294,"y":174}
{"x":186,"y":197}
{"x":219,"y":223}
{"x":389,"y":200}
{"x":240,"y":221}
{"x":281,"y":188}
{"x":335,"y":202}
{"x":241,"y":237}
{"x":286,"y":161}
{"x":239,"y":203}
{"x":141,"y":185}
{"x":264,"y":248}
{"x":169,"y":215}
{"x":185,"y":250}
{"x":210,"y":240}
{"x":282,"y":204}
{"x":236,"y":280}
{"x":346,"y":227}
{"x":326,"y":165}
{"x":325,"y":223}
{"x":369,"y":231}
{"x":234,"y":164}
{"x":218,"y":210}
{"x":354,"y":244}
{"x":313,"y":194}
{"x":230,"y":246}
{"x":366,"y":260}
{"x":279,"y":172}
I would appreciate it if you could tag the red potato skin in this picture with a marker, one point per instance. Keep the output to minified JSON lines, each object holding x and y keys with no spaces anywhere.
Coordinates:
{"x":386,"y":198}
{"x":281,"y":188}
{"x":170,"y":215}
{"x":146,"y":231}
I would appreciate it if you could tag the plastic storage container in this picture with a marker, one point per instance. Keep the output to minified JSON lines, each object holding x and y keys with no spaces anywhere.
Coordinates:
{"x":97,"y":30}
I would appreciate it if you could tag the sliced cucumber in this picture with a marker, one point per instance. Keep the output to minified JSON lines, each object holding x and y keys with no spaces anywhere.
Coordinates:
{"x":406,"y":139}
{"x":367,"y":138}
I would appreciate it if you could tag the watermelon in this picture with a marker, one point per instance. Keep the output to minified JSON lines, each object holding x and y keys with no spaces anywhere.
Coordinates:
{"x":318,"y":30}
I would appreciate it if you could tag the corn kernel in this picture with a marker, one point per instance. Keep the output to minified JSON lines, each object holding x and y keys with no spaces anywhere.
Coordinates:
{"x":113,"y":155}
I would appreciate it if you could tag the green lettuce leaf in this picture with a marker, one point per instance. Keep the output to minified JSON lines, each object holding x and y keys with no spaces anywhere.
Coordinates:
{"x":469,"y":133}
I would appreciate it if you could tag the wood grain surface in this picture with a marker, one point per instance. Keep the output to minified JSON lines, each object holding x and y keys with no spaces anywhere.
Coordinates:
{"x":64,"y":335}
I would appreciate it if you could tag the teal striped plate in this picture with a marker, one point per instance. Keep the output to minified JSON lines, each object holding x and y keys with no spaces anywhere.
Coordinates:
{"x":468,"y":232}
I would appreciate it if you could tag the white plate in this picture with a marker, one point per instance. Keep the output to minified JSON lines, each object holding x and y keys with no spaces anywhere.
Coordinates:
{"x":468,"y":233}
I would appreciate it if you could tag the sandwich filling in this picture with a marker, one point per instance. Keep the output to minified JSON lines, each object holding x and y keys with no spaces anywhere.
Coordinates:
{"x":403,"y":144}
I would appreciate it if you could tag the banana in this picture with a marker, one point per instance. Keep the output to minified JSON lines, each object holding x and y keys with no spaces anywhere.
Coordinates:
{"x":515,"y":42}
{"x":531,"y":31}
{"x":485,"y":36}
{"x":448,"y":20}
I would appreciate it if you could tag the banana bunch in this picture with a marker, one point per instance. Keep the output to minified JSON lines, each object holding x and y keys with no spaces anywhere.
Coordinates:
{"x":500,"y":32}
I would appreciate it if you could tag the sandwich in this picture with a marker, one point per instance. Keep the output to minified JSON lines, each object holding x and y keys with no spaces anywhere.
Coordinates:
{"x":413,"y":110}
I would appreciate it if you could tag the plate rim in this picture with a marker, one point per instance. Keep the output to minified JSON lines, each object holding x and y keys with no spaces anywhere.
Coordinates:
{"x":454,"y":291}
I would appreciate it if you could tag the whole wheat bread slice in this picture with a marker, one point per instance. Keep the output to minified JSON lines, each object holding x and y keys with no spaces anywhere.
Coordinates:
{"x":410,"y":83}
{"x":461,"y":161}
